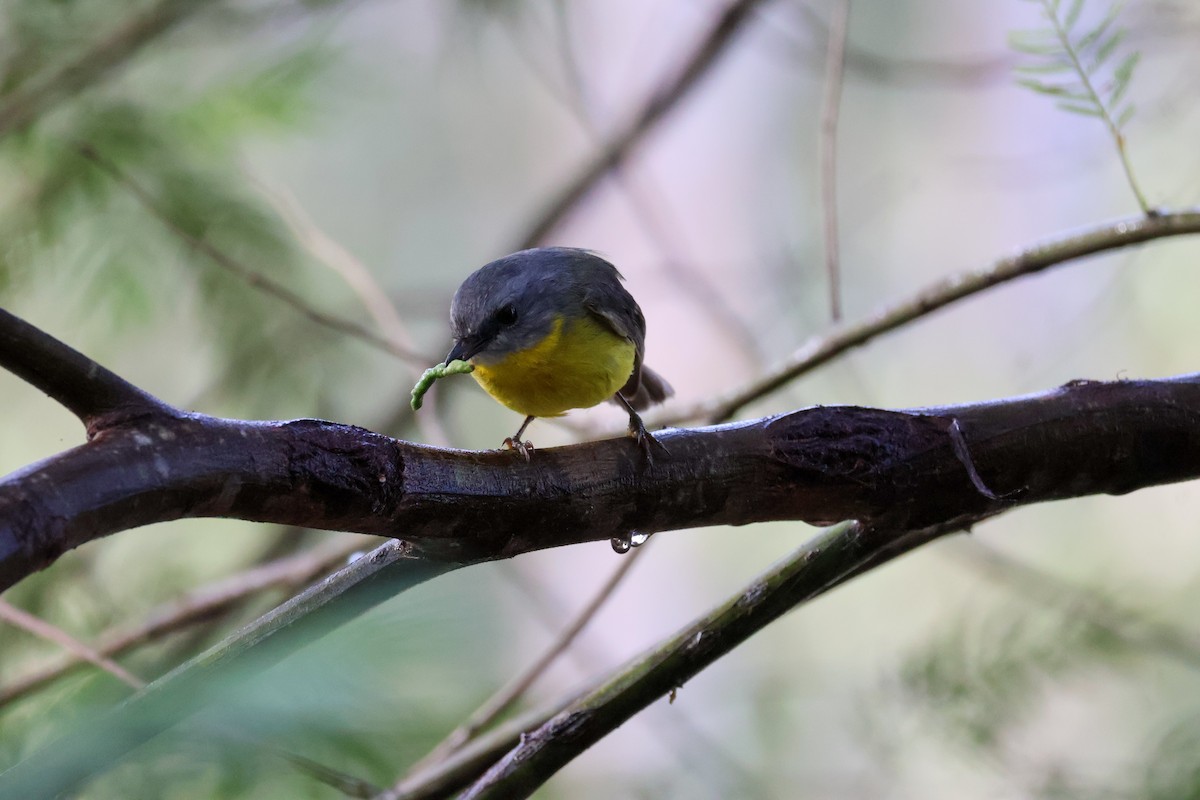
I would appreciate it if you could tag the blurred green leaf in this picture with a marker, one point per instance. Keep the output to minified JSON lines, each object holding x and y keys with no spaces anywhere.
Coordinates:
{"x":276,"y":99}
{"x":1171,"y":770}
{"x":982,"y":677}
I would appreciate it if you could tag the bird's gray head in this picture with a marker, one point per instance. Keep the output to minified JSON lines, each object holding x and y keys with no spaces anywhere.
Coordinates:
{"x":512,"y":303}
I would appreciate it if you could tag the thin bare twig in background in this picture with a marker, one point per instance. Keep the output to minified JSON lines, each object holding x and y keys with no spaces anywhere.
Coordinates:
{"x":1031,"y":260}
{"x":649,"y":213}
{"x":51,"y":633}
{"x":196,"y":606}
{"x":690,"y":281}
{"x":421,"y":781}
{"x":835,"y":63}
{"x":502,"y":700}
{"x":252,"y":278}
{"x":24,"y":105}
{"x":347,"y":784}
{"x":680,"y":732}
{"x":568,"y":729}
{"x":665,"y":98}
{"x":905,"y":72}
{"x":328,"y":251}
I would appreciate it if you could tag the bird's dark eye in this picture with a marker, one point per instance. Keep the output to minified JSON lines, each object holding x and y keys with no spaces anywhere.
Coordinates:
{"x":506,"y":315}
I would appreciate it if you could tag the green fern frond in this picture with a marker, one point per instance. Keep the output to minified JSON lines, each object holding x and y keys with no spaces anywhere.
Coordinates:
{"x":1073,"y":63}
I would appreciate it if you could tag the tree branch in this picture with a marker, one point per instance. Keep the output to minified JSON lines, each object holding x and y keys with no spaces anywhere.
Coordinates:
{"x":909,"y":469}
{"x":912,"y":474}
{"x":88,"y":390}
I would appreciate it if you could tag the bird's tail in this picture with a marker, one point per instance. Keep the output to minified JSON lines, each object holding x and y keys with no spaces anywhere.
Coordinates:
{"x":651,"y":390}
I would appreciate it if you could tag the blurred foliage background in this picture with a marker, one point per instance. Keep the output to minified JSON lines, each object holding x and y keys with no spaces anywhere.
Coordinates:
{"x":1049,"y":654}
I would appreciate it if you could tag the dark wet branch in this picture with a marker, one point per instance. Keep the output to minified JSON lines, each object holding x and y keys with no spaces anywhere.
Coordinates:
{"x":907,"y":469}
{"x":88,"y":390}
{"x":905,"y":475}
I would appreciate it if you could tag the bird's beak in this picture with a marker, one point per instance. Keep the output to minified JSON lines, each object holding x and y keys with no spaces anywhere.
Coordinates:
{"x":462,"y":350}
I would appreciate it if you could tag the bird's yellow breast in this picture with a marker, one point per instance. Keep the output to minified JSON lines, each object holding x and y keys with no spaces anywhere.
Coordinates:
{"x":579,"y":364}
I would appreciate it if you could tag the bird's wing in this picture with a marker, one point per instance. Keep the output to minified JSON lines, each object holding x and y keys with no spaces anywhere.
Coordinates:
{"x":627,"y":322}
{"x":623,"y":317}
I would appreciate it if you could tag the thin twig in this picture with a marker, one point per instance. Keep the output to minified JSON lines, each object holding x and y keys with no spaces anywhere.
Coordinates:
{"x":196,"y":606}
{"x":1054,"y":252}
{"x":469,"y":763}
{"x":51,"y":633}
{"x":692,"y":282}
{"x":350,"y":785}
{"x":502,"y":700}
{"x":668,"y":95}
{"x":89,"y":746}
{"x":648,"y":213}
{"x":835,"y":65}
{"x":251,"y":277}
{"x":871,"y":66}
{"x":328,"y":251}
{"x":680,"y":733}
{"x":25,"y":105}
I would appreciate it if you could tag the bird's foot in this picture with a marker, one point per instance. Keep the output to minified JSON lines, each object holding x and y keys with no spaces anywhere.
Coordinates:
{"x":645,"y":440}
{"x":637,"y":429}
{"x":522,"y":447}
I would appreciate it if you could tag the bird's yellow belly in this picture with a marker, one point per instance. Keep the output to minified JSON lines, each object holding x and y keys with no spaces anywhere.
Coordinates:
{"x":578,"y":365}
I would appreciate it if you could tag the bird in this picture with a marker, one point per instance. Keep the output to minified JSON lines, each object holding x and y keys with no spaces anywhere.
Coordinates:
{"x":551,"y":329}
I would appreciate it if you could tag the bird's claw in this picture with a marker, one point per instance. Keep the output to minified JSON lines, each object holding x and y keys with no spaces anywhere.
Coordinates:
{"x":646,"y":441}
{"x":522,"y":447}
